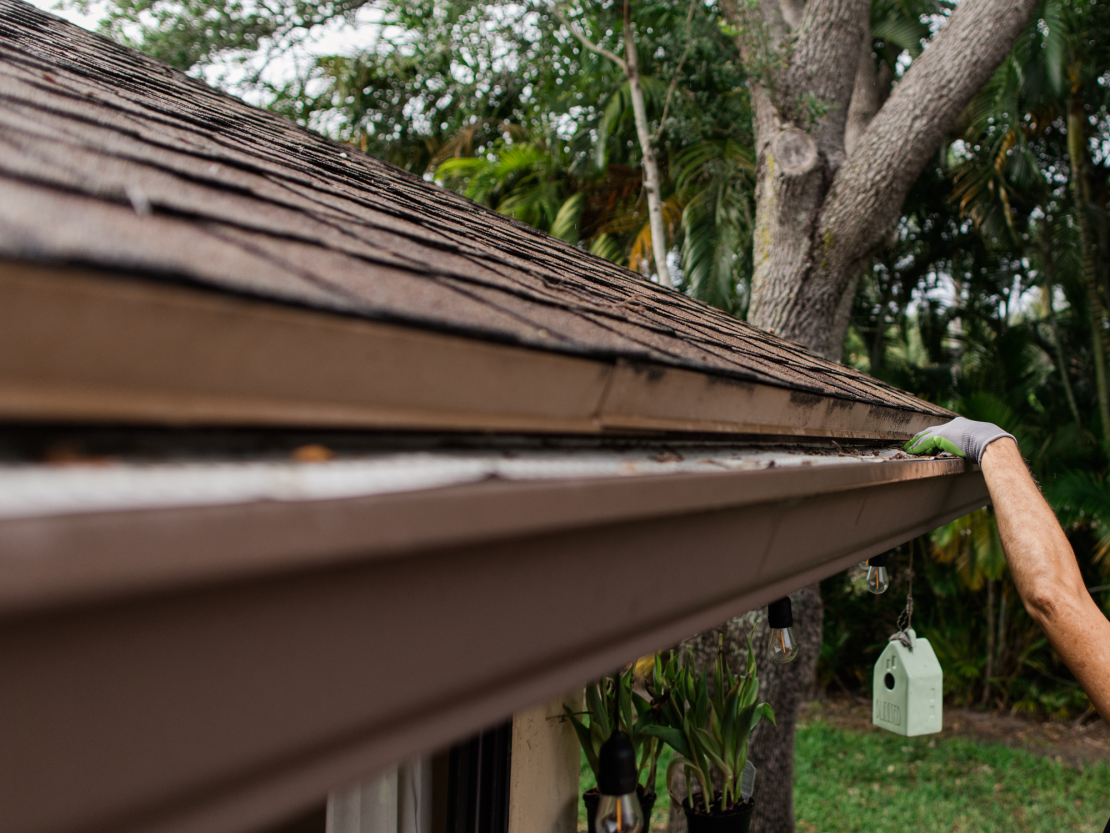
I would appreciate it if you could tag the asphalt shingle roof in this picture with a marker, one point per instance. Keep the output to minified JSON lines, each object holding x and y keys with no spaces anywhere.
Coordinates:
{"x":113,"y":160}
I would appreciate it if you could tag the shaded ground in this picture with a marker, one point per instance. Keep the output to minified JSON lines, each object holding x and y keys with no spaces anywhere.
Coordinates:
{"x":1072,"y":743}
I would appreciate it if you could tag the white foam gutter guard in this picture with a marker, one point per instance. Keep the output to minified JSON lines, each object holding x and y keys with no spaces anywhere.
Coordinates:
{"x":177,"y":640}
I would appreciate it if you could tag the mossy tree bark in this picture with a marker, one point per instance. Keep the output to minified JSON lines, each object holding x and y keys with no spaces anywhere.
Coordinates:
{"x":823,"y":207}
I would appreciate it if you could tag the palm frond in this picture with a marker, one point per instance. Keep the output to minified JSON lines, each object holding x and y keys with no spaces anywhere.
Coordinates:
{"x":1081,"y":496}
{"x":568,"y":221}
{"x":608,"y":247}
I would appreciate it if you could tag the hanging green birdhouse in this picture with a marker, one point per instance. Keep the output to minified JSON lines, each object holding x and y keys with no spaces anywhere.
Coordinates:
{"x":908,"y":688}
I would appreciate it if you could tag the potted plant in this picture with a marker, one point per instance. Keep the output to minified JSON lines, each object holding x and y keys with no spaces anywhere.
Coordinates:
{"x":709,"y":726}
{"x":612,"y":704}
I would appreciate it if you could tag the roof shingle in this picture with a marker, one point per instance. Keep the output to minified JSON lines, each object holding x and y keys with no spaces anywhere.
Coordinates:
{"x":113,"y":160}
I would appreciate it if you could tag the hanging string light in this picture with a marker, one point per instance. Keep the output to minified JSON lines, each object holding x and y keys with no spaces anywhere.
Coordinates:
{"x":618,"y":811}
{"x":780,"y":617}
{"x":878,"y":579}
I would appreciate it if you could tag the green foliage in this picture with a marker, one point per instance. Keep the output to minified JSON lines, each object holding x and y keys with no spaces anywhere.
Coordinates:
{"x":981,"y":303}
{"x":715,"y":181}
{"x":707,"y":719}
{"x":618,"y":112}
{"x":612,"y":705}
{"x":1082,"y":498}
{"x":521,"y":179}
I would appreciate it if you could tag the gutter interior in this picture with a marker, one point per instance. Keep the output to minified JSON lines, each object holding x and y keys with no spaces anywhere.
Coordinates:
{"x":104,"y":471}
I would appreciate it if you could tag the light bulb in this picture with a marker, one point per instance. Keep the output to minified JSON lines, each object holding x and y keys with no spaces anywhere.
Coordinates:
{"x":878,"y":580}
{"x":618,"y":810}
{"x":619,"y":814}
{"x":782,"y":644}
{"x":784,"y":647}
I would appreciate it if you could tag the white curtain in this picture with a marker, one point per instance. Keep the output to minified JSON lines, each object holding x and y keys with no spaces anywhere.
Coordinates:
{"x":397,"y":801}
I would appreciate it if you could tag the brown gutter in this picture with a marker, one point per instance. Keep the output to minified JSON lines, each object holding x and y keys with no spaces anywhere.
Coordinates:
{"x":77,"y":346}
{"x":56,"y":560}
{"x":213,"y":669}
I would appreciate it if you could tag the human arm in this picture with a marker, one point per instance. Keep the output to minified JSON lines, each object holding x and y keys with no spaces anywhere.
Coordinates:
{"x":1041,"y":560}
{"x":1045,"y":572}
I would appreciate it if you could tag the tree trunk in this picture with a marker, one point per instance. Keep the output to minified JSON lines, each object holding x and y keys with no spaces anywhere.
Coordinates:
{"x":822,"y":208}
{"x":1000,"y":653}
{"x":989,"y":672}
{"x":1096,"y":311}
{"x":1048,"y":263}
{"x":651,"y":166}
{"x":786,"y":688}
{"x":819,"y":213}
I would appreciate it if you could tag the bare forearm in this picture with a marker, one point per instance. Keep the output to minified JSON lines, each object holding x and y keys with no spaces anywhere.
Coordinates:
{"x":1045,"y":572}
{"x":1039,"y":555}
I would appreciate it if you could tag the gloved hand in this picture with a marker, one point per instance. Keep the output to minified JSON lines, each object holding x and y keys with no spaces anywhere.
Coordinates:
{"x":962,"y":437}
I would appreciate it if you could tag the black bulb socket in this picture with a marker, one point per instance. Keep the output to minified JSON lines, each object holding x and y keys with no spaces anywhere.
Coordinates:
{"x":617,"y":773}
{"x":780,"y":614}
{"x":878,"y":560}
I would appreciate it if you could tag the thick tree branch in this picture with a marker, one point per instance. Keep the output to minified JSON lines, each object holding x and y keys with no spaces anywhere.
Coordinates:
{"x":866,"y":98}
{"x":867,"y":194}
{"x":823,"y":68}
{"x":762,"y":30}
{"x":791,"y":11}
{"x":802,"y":61}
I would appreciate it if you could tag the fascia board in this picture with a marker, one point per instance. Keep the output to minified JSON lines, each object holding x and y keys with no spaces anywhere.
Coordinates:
{"x":224,"y":704}
{"x":82,"y":347}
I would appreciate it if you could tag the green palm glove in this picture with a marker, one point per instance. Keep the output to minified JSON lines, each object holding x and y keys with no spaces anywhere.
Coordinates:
{"x":962,"y":437}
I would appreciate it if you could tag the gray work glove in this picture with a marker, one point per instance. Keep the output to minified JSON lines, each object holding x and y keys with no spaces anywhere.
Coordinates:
{"x":962,"y":437}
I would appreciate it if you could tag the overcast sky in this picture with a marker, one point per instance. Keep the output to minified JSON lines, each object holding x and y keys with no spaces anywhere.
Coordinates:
{"x":336,"y":38}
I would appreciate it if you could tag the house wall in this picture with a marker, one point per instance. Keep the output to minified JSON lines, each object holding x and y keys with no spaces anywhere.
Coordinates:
{"x":543,"y":791}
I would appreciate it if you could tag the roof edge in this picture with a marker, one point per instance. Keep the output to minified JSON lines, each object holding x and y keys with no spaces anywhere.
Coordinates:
{"x":77,"y":345}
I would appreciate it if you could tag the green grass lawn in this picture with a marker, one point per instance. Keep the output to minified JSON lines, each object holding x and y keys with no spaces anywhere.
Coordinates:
{"x":878,"y":782}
